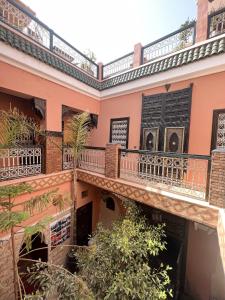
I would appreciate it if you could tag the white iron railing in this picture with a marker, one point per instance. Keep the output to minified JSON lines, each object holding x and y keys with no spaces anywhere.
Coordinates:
{"x":91,"y":159}
{"x":183,"y":173}
{"x":20,"y":162}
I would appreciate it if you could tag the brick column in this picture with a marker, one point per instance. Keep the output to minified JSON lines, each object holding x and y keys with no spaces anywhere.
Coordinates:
{"x":202,"y":20}
{"x":100,"y":71}
{"x":112,"y":159}
{"x":137,"y":55}
{"x":217,"y":178}
{"x":53,"y":152}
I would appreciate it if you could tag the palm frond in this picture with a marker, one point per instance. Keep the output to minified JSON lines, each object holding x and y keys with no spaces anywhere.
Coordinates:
{"x":30,"y":231}
{"x":9,"y":219}
{"x":78,"y":129}
{"x":40,"y":202}
{"x":14,"y":126}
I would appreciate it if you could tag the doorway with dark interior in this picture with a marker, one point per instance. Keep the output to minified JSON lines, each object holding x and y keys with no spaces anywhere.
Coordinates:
{"x":84,"y":224}
{"x":176,"y":245}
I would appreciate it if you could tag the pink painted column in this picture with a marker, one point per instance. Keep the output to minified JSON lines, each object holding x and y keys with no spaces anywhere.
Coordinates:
{"x":137,"y":55}
{"x":100,"y":71}
{"x":202,"y":20}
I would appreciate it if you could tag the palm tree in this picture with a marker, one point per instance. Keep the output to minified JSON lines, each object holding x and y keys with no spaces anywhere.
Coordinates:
{"x":78,"y":133}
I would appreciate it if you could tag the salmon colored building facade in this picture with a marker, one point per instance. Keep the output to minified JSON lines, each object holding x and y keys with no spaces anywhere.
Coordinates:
{"x":157,"y":137}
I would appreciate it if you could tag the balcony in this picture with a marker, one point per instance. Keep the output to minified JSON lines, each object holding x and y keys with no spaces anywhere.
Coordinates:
{"x":20,"y":162}
{"x":183,"y":174}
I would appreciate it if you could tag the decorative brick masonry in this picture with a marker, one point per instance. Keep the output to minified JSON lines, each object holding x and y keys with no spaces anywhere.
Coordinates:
{"x":137,"y":55}
{"x":217,"y":179}
{"x":112,"y":160}
{"x":53,"y":152}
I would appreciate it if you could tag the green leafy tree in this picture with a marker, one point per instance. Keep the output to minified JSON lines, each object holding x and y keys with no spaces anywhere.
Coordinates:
{"x":184,"y":36}
{"x":13,"y":126}
{"x":119,"y":263}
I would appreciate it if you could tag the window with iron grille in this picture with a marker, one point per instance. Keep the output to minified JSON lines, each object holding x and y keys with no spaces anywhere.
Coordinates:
{"x":119,"y":132}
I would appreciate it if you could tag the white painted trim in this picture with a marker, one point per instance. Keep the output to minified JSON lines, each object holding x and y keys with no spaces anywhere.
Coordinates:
{"x":30,"y":64}
{"x":203,"y":67}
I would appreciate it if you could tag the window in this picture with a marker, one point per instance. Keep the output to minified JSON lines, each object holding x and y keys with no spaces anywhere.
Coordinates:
{"x":218,"y":130}
{"x":119,"y":131}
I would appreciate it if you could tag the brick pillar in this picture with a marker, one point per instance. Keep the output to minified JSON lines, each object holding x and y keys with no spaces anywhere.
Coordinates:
{"x":137,"y":55}
{"x":53,"y":152}
{"x":112,"y":159}
{"x":217,"y":178}
{"x":100,"y":71}
{"x":202,"y":20}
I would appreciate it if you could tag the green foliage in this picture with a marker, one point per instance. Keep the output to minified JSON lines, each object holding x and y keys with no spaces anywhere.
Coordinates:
{"x":30,"y":231}
{"x":78,"y":129}
{"x":12,"y":191}
{"x":13,"y":126}
{"x":51,"y":279}
{"x":119,"y":264}
{"x":185,"y":34}
{"x":9,"y":219}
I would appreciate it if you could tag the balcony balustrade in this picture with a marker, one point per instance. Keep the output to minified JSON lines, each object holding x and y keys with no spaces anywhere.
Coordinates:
{"x":180,"y":173}
{"x":216,"y":23}
{"x":173,"y":42}
{"x":20,"y":162}
{"x":119,"y":65}
{"x":91,"y":159}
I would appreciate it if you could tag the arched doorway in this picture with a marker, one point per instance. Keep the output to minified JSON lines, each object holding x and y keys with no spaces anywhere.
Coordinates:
{"x":38,"y":251}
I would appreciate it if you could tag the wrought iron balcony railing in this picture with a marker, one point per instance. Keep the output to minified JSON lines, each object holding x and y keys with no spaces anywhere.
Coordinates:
{"x":173,"y":42}
{"x":216,"y":23}
{"x":91,"y":159}
{"x":20,"y":162}
{"x":119,"y":65}
{"x":180,"y":173}
{"x":22,"y":20}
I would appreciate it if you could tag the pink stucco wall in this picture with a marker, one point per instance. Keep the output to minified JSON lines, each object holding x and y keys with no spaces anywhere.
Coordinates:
{"x":208,"y":95}
{"x":56,"y":95}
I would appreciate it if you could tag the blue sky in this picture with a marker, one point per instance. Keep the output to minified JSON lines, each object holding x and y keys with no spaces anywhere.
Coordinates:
{"x":110,"y":28}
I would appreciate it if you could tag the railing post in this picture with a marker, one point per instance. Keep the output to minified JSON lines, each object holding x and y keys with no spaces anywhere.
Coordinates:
{"x":100,"y":71}
{"x":112,"y":160}
{"x":51,"y":40}
{"x":217,"y":178}
{"x":137,"y":55}
{"x":202,"y":21}
{"x":53,"y":152}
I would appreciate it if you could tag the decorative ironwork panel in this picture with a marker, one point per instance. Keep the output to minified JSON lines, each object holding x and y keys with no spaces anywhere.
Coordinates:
{"x":72,"y":55}
{"x":20,"y":162}
{"x":216,"y":24}
{"x":122,"y":64}
{"x":220,"y":141}
{"x":23,"y":22}
{"x":67,"y":158}
{"x":181,"y":174}
{"x":167,"y":110}
{"x":171,"y":43}
{"x":119,"y":130}
{"x":92,"y":160}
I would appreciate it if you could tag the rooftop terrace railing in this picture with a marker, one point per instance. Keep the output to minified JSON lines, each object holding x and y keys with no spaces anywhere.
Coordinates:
{"x":119,"y":65}
{"x":216,"y":23}
{"x":175,"y":41}
{"x":180,"y":173}
{"x":20,"y":162}
{"x":25,"y":22}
